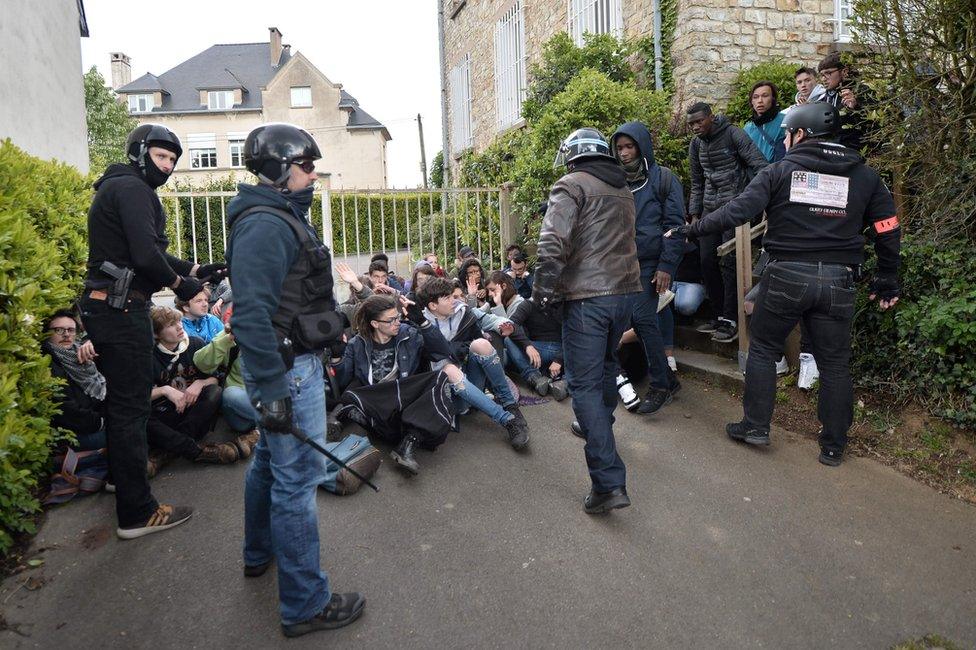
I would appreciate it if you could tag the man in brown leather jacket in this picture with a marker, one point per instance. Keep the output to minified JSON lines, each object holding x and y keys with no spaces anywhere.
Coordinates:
{"x":588,"y":260}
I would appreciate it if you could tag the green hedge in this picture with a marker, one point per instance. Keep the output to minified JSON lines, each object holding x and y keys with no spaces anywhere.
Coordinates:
{"x":739,"y":109}
{"x":43,"y":208}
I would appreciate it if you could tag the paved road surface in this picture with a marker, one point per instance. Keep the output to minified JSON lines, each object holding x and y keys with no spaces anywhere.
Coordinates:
{"x":725,"y":547}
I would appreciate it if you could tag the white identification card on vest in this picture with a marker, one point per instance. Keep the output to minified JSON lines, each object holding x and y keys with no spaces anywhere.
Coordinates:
{"x":819,"y":189}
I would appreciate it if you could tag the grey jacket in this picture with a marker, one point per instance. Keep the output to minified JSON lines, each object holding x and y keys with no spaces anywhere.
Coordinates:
{"x":587,"y":245}
{"x":722,"y":164}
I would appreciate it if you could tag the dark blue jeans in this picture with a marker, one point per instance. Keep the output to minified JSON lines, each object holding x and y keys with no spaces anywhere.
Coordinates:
{"x":591,"y":332}
{"x":822,"y":297}
{"x":649,"y":331}
{"x":548,"y":351}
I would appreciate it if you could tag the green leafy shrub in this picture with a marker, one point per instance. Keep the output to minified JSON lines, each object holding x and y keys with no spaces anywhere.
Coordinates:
{"x":780,"y":72}
{"x":43,"y":213}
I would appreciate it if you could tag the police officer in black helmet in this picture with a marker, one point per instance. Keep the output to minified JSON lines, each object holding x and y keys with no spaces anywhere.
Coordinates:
{"x":284,"y":317}
{"x":127,"y":262}
{"x":820,"y":201}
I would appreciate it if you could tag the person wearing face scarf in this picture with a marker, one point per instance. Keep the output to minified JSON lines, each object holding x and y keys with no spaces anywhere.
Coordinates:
{"x":765,"y":126}
{"x":127,"y":228}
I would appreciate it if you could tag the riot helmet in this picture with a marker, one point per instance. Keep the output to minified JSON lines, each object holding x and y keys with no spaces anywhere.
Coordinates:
{"x":817,"y":119}
{"x":582,"y":143}
{"x":270,"y":150}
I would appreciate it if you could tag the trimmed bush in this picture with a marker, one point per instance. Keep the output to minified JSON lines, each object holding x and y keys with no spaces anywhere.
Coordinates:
{"x":43,"y":220}
{"x":739,"y":109}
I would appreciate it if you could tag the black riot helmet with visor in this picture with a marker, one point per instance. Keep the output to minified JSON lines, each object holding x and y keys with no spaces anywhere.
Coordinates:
{"x":271,"y":149}
{"x":580,"y":144}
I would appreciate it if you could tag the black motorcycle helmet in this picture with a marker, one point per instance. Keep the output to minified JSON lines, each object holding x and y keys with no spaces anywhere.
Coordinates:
{"x":817,"y":119}
{"x":270,"y":149}
{"x":582,"y":143}
{"x":137,"y":150}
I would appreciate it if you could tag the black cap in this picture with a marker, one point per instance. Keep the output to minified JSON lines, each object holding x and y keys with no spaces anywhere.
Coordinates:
{"x":270,"y":149}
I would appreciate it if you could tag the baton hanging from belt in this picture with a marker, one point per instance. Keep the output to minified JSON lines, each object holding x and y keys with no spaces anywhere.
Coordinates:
{"x":298,"y":433}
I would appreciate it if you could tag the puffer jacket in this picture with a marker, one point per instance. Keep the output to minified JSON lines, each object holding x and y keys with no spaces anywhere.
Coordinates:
{"x":586,"y":245}
{"x":722,"y":164}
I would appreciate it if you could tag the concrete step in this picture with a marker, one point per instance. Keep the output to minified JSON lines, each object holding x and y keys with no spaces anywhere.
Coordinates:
{"x":685,"y":336}
{"x":718,"y":370}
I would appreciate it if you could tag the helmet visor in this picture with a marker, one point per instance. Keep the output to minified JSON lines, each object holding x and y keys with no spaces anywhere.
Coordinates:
{"x":560,"y":160}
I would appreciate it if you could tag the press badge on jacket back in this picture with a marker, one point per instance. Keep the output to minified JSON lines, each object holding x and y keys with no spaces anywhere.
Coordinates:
{"x":819,"y":189}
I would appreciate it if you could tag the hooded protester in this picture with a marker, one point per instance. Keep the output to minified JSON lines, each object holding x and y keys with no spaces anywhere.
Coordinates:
{"x":659,"y":201}
{"x":764,"y":127}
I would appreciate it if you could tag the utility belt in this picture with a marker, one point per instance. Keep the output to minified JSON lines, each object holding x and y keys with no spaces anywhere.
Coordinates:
{"x":120,"y":293}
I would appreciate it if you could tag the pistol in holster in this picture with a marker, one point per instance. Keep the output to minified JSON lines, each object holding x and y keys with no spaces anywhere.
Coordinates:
{"x":118,"y":293}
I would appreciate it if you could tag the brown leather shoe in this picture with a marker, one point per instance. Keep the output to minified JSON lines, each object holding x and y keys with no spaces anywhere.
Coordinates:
{"x":223,"y":453}
{"x":157,"y":458}
{"x":246,"y":442}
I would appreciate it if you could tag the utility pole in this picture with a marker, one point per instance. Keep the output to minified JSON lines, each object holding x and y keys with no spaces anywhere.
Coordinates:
{"x":423,"y":153}
{"x":444,"y":125}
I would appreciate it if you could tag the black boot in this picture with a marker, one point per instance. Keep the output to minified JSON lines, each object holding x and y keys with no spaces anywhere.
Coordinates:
{"x":655,"y":400}
{"x":403,"y":455}
{"x":341,"y":610}
{"x":745,"y":433}
{"x":600,"y":502}
{"x":518,"y":428}
{"x":538,"y":383}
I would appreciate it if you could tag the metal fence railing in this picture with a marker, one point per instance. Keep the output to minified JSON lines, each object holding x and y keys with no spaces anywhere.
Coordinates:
{"x":405,"y":224}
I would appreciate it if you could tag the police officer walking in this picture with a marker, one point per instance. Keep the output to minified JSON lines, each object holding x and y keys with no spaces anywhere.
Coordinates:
{"x":127,"y":262}
{"x":283,"y":319}
{"x":819,"y":201}
{"x":588,"y":259}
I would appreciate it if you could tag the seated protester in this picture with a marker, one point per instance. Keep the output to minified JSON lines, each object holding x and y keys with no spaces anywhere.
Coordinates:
{"x":422,"y":272}
{"x":360,"y":288}
{"x":519,"y":271}
{"x":197,"y":321}
{"x":82,"y":396}
{"x":510,"y":252}
{"x":431,"y":258}
{"x":535,"y":349}
{"x":765,"y":129}
{"x":463,"y":327}
{"x":379,"y":277}
{"x":464,"y":253}
{"x":388,"y":386}
{"x":689,"y":293}
{"x":222,"y":356}
{"x":220,"y":298}
{"x":471,"y":277}
{"x":391,"y":278}
{"x":184,"y":399}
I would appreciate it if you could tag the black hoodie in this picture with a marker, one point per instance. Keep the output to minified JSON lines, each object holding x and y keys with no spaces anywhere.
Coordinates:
{"x":819,"y":201}
{"x":127,"y":226}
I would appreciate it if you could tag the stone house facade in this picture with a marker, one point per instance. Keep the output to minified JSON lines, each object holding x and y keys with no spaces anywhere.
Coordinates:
{"x":212,"y":100}
{"x":486,"y":40}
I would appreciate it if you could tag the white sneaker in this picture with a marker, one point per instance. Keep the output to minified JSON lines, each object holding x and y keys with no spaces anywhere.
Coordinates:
{"x":672,"y":364}
{"x":664,"y":299}
{"x":782,"y":366}
{"x":809,"y":373}
{"x":627,"y":393}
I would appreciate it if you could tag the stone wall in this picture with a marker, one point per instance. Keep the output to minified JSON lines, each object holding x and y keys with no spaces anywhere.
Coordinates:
{"x":713,"y":40}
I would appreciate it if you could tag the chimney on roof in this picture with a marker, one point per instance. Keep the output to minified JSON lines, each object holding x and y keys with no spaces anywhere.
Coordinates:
{"x":275,"y":45}
{"x":121,"y":70}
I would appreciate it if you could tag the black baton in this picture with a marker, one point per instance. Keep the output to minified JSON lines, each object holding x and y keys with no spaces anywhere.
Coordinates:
{"x":298,"y":433}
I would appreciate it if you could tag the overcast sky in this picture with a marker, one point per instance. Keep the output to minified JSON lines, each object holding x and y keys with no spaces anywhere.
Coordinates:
{"x":383,"y":52}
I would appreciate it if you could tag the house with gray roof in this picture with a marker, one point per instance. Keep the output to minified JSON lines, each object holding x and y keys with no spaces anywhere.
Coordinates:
{"x":212,"y":100}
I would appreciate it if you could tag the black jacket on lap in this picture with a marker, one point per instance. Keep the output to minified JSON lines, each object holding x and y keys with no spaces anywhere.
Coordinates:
{"x":820,"y":200}
{"x":80,"y":413}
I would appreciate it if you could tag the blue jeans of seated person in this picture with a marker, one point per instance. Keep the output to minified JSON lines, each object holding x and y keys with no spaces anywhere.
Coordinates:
{"x":237,"y":409}
{"x":646,"y":325}
{"x":482,"y":369}
{"x":548,"y":351}
{"x":592,"y":328}
{"x":280,"y":518}
{"x":688,"y":297}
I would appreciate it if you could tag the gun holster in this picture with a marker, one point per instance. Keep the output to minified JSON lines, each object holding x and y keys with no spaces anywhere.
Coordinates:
{"x":119,"y":291}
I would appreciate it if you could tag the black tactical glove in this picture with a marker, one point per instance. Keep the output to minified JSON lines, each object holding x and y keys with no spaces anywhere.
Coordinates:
{"x":681,"y":232}
{"x":276,"y":415}
{"x":415,"y":314}
{"x":188,"y":288}
{"x":213,"y":273}
{"x":885,"y":287}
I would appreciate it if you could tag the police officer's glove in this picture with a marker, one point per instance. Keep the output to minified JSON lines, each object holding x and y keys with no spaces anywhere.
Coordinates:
{"x":545,"y":302}
{"x":415,"y":314}
{"x":681,"y":232}
{"x":885,"y":287}
{"x":188,"y":288}
{"x":275,"y":417}
{"x":213,"y":273}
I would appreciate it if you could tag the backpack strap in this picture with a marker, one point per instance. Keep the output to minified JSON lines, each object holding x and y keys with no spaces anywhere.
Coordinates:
{"x":664,"y":187}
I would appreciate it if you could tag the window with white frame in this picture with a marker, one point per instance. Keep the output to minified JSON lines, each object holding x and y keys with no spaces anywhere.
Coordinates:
{"x":203,"y":150}
{"x":220,"y":99}
{"x":301,"y":96}
{"x":842,"y":20}
{"x":509,"y":66}
{"x":235,"y":146}
{"x":461,"y":135}
{"x":595,"y":17}
{"x":141,"y":103}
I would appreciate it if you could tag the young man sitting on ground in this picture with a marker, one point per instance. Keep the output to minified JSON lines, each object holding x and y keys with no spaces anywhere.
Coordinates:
{"x":197,"y":319}
{"x":184,"y":400}
{"x":463,"y":328}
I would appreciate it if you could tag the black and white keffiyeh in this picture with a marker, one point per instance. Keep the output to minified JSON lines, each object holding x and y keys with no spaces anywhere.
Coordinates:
{"x":85,"y":375}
